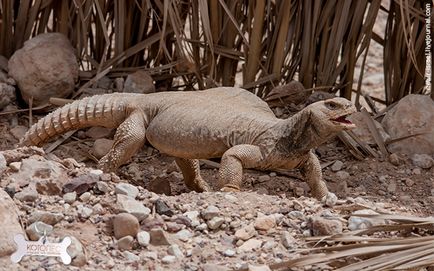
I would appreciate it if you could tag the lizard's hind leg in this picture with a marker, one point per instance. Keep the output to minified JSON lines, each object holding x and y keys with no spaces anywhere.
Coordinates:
{"x":129,"y":137}
{"x":191,"y":171}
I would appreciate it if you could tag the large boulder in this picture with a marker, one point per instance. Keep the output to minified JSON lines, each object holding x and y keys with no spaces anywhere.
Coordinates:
{"x":413,"y":114}
{"x":45,"y":67}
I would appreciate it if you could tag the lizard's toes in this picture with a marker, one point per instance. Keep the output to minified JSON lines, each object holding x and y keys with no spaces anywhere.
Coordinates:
{"x":230,"y":189}
{"x":330,"y":199}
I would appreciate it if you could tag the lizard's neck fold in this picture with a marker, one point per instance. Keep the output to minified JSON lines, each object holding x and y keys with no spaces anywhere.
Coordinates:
{"x":301,"y":133}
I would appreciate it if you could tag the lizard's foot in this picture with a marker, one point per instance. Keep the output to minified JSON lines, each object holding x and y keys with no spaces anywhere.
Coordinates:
{"x":203,"y":186}
{"x":330,"y":199}
{"x":230,"y":188}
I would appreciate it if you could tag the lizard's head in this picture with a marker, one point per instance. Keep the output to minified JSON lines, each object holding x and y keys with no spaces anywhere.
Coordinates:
{"x":330,"y":115}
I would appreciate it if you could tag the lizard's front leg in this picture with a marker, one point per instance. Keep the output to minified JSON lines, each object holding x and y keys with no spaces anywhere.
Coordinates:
{"x":129,"y":137}
{"x":311,"y":171}
{"x":232,"y":164}
{"x":190,"y":169}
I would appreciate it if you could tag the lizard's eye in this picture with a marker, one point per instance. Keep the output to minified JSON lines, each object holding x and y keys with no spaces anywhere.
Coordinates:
{"x":331,"y":105}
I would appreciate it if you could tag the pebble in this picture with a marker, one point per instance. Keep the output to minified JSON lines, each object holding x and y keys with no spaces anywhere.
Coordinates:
{"x":85,"y":197}
{"x":229,"y":253}
{"x":215,"y":222}
{"x":287,"y":240}
{"x":202,"y":227}
{"x":130,"y":257}
{"x":264,"y":178}
{"x":184,"y":235}
{"x":337,"y":166}
{"x":127,"y":189}
{"x":15,"y":166}
{"x":245,"y":233}
{"x":394,"y":159}
{"x":130,"y":205}
{"x":168,"y":259}
{"x":125,"y":243}
{"x":264,"y":223}
{"x":70,"y":197}
{"x":103,"y":186}
{"x":46,"y":217}
{"x":424,"y":161}
{"x":210,"y":212}
{"x":249,"y":245}
{"x":159,"y":237}
{"x":3,"y":163}
{"x":321,"y":226}
{"x":143,"y":238}
{"x":342,"y":175}
{"x":391,"y":187}
{"x":416,"y":171}
{"x":296,"y":215}
{"x":36,"y":230}
{"x":162,"y":208}
{"x":28,"y":194}
{"x":408,"y":182}
{"x":175,"y":251}
{"x":84,"y":211}
{"x":360,"y":223}
{"x":299,"y":191}
{"x":77,"y":253}
{"x":125,"y":224}
{"x":194,"y":217}
{"x":230,"y":197}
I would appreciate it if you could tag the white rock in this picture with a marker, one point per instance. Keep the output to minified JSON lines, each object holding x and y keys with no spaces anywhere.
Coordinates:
{"x":184,"y":235}
{"x":168,"y":259}
{"x":127,"y":189}
{"x":215,"y":222}
{"x":70,"y":197}
{"x":175,"y":251}
{"x":194,"y":217}
{"x":337,"y":165}
{"x":287,"y":240}
{"x":130,"y":205}
{"x":143,"y":238}
{"x":359,"y":223}
{"x":210,"y":212}
{"x":229,"y":253}
{"x":245,"y":233}
{"x":249,"y":245}
{"x":85,"y":197}
{"x":84,"y":211}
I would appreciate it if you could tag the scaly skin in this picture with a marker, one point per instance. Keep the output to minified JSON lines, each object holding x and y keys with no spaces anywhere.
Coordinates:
{"x":225,"y":122}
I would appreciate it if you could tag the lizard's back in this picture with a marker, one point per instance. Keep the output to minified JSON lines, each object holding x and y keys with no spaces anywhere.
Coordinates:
{"x":204,"y":124}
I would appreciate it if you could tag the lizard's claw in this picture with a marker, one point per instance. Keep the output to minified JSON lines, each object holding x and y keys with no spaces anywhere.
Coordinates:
{"x":330,"y":199}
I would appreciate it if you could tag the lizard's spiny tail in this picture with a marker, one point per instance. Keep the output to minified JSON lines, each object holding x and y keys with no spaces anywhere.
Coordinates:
{"x":100,"y":110}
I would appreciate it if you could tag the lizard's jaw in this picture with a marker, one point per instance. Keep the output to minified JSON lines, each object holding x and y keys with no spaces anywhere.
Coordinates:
{"x":343,"y":122}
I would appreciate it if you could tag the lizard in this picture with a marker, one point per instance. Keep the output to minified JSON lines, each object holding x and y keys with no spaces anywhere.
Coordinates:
{"x":224,"y":122}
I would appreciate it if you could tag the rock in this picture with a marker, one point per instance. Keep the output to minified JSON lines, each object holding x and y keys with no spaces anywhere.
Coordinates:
{"x":299,"y":191}
{"x":342,"y":175}
{"x":125,"y":224}
{"x":15,"y":166}
{"x":130,"y":257}
{"x":245,"y":233}
{"x":84,"y":211}
{"x":119,"y":84}
{"x":159,"y":237}
{"x":160,"y":185}
{"x":210,"y":212}
{"x":337,"y":165}
{"x":394,"y":159}
{"x":127,"y":189}
{"x":359,"y":223}
{"x":215,"y":222}
{"x":139,"y":82}
{"x":193,"y":216}
{"x":46,"y":217}
{"x":287,"y":240}
{"x":264,"y":223}
{"x":99,"y":132}
{"x":321,"y":226}
{"x":85,"y":197}
{"x":70,"y":197}
{"x":77,"y":252}
{"x":230,"y":198}
{"x":102,"y":187}
{"x":7,"y":95}
{"x":391,"y":187}
{"x":3,"y":163}
{"x":81,"y":183}
{"x":143,"y":238}
{"x":125,"y":243}
{"x":264,"y":178}
{"x":37,"y":229}
{"x":413,"y":114}
{"x":28,"y":194}
{"x":45,"y":67}
{"x":168,"y":259}
{"x":258,"y":267}
{"x":184,"y":235}
{"x":408,"y":182}
{"x":162,"y":208}
{"x":422,"y":160}
{"x":175,"y":251}
{"x":362,"y":130}
{"x":249,"y":245}
{"x":174,"y":227}
{"x":101,"y":147}
{"x":9,"y":224}
{"x":131,"y":206}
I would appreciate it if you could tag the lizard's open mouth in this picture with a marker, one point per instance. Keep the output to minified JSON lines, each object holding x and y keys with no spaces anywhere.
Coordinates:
{"x":343,"y":120}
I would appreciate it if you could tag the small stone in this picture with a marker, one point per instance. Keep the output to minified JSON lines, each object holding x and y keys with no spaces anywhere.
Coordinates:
{"x":130,"y":205}
{"x":70,"y":197}
{"x":85,"y":197}
{"x":194,"y":217}
{"x":130,"y":257}
{"x":84,"y":211}
{"x":28,"y":194}
{"x":103,"y":186}
{"x":127,"y":189}
{"x":36,"y":230}
{"x":321,"y":226}
{"x":245,"y":233}
{"x":264,"y":223}
{"x":101,"y":147}
{"x":296,"y":215}
{"x":249,"y":245}
{"x":3,"y":163}
{"x":416,"y":171}
{"x":391,"y":188}
{"x":359,"y":223}
{"x":299,"y":191}
{"x":159,"y":237}
{"x":394,"y":159}
{"x":215,"y":267}
{"x":98,"y":209}
{"x":162,"y":208}
{"x":264,"y":178}
{"x":125,"y":243}
{"x":139,"y":82}
{"x":175,"y":251}
{"x":424,"y":161}
{"x":15,"y":166}
{"x":125,"y":224}
{"x":215,"y":222}
{"x":287,"y":240}
{"x":202,"y":227}
{"x":168,"y":259}
{"x":46,"y":217}
{"x":210,"y":212}
{"x":229,"y":253}
{"x":408,"y":182}
{"x":77,"y":253}
{"x":231,"y":198}
{"x":143,"y":238}
{"x":174,"y":227}
{"x":342,"y":175}
{"x":184,"y":235}
{"x":337,"y":166}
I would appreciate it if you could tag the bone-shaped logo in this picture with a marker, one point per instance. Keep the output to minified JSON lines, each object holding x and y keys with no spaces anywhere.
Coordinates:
{"x":41,"y":248}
